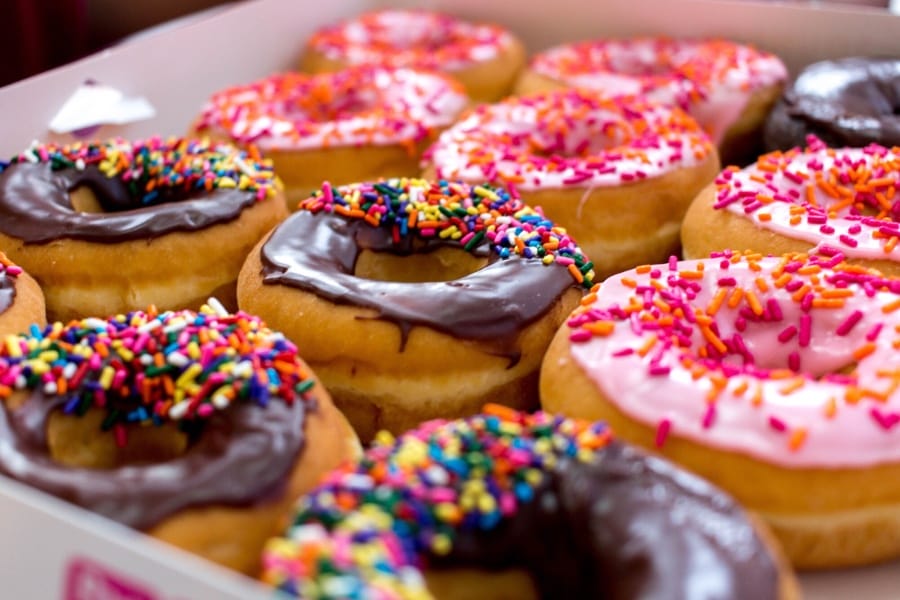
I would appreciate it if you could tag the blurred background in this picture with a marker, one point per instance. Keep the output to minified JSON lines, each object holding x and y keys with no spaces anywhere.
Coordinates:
{"x":42,"y":34}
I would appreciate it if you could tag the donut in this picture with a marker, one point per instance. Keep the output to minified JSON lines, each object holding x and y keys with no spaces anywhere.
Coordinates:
{"x":21,"y":299}
{"x":70,"y":213}
{"x":504,"y":504}
{"x":486,"y":59}
{"x":617,"y":173}
{"x":357,"y":124}
{"x":417,"y":299}
{"x":844,"y":200}
{"x":729,"y":88}
{"x":774,"y":377}
{"x":200,"y":429}
{"x":846,"y":102}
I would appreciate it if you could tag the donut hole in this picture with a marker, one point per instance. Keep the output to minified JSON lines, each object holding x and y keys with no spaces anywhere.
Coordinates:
{"x":440,"y":264}
{"x":74,"y":441}
{"x":84,"y":200}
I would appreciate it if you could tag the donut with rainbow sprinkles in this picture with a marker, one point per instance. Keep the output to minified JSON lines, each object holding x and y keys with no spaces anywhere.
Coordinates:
{"x":507,"y":504}
{"x":417,"y":299}
{"x":198,"y":428}
{"x":69,"y":213}
{"x":777,"y":378}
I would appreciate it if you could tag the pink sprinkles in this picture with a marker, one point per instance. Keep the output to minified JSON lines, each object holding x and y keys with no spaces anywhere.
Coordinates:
{"x":670,"y":326}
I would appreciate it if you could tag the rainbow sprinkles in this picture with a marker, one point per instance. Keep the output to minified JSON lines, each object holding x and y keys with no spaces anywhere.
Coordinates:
{"x":147,"y":368}
{"x":153,"y":167}
{"x":457,"y":212}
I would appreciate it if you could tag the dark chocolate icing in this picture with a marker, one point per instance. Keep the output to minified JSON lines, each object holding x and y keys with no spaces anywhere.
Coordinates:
{"x":318,"y":253}
{"x":239,"y":458}
{"x":848,"y":102}
{"x":35,"y":206}
{"x":627,"y":525}
{"x":7,"y":290}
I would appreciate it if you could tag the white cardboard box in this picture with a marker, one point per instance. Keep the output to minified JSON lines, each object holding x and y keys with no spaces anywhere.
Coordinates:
{"x":49,"y":549}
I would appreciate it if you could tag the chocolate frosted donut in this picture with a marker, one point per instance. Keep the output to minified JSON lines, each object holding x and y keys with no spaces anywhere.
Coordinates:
{"x":417,"y":299}
{"x":164,"y":421}
{"x":583,"y":515}
{"x":69,"y":213}
{"x":847,"y":102}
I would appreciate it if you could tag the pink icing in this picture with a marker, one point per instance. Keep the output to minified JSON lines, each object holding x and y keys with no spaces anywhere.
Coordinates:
{"x":710,"y":79}
{"x":756,"y":377}
{"x":843,"y":198}
{"x":568,"y":138}
{"x":354,"y":107}
{"x":411,"y":38}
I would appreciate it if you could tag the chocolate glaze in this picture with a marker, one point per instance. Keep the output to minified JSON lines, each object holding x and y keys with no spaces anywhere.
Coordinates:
{"x":318,"y":253}
{"x":238,"y":459}
{"x":628,"y":525}
{"x":35,"y":206}
{"x":848,"y":102}
{"x":7,"y":290}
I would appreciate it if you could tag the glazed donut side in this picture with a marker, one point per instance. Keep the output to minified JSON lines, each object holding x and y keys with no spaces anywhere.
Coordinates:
{"x":73,"y":287}
{"x":21,"y":300}
{"x":477,"y":335}
{"x":232,"y":498}
{"x":800,"y":200}
{"x":75,"y":251}
{"x":485,"y":79}
{"x":552,"y":487}
{"x":825,"y":512}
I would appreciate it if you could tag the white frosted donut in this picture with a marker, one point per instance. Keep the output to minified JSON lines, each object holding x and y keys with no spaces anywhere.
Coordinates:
{"x":356,"y":124}
{"x":727,"y":87}
{"x":485,"y":58}
{"x":618,"y":173}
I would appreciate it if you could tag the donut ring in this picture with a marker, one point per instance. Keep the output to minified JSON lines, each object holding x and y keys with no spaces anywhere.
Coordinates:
{"x":67,"y":213}
{"x":486,"y":59}
{"x":357,"y":124}
{"x":254,"y":428}
{"x":618,"y":173}
{"x":842,"y":199}
{"x":415,"y":299}
{"x":472,"y":507}
{"x":729,"y":88}
{"x":21,"y":299}
{"x":775,"y":378}
{"x":846,"y":102}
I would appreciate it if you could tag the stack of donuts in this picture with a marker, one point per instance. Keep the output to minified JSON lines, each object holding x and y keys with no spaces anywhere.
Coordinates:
{"x":428,"y":318}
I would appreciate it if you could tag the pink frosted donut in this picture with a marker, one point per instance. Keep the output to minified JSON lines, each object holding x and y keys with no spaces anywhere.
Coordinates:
{"x":358,"y":124}
{"x":486,"y":59}
{"x":776,"y":377}
{"x":618,"y":173}
{"x":846,"y":199}
{"x":728,"y":87}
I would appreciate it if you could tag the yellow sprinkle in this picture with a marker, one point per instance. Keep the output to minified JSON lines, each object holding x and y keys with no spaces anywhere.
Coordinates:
{"x":106,"y":377}
{"x":12,"y":346}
